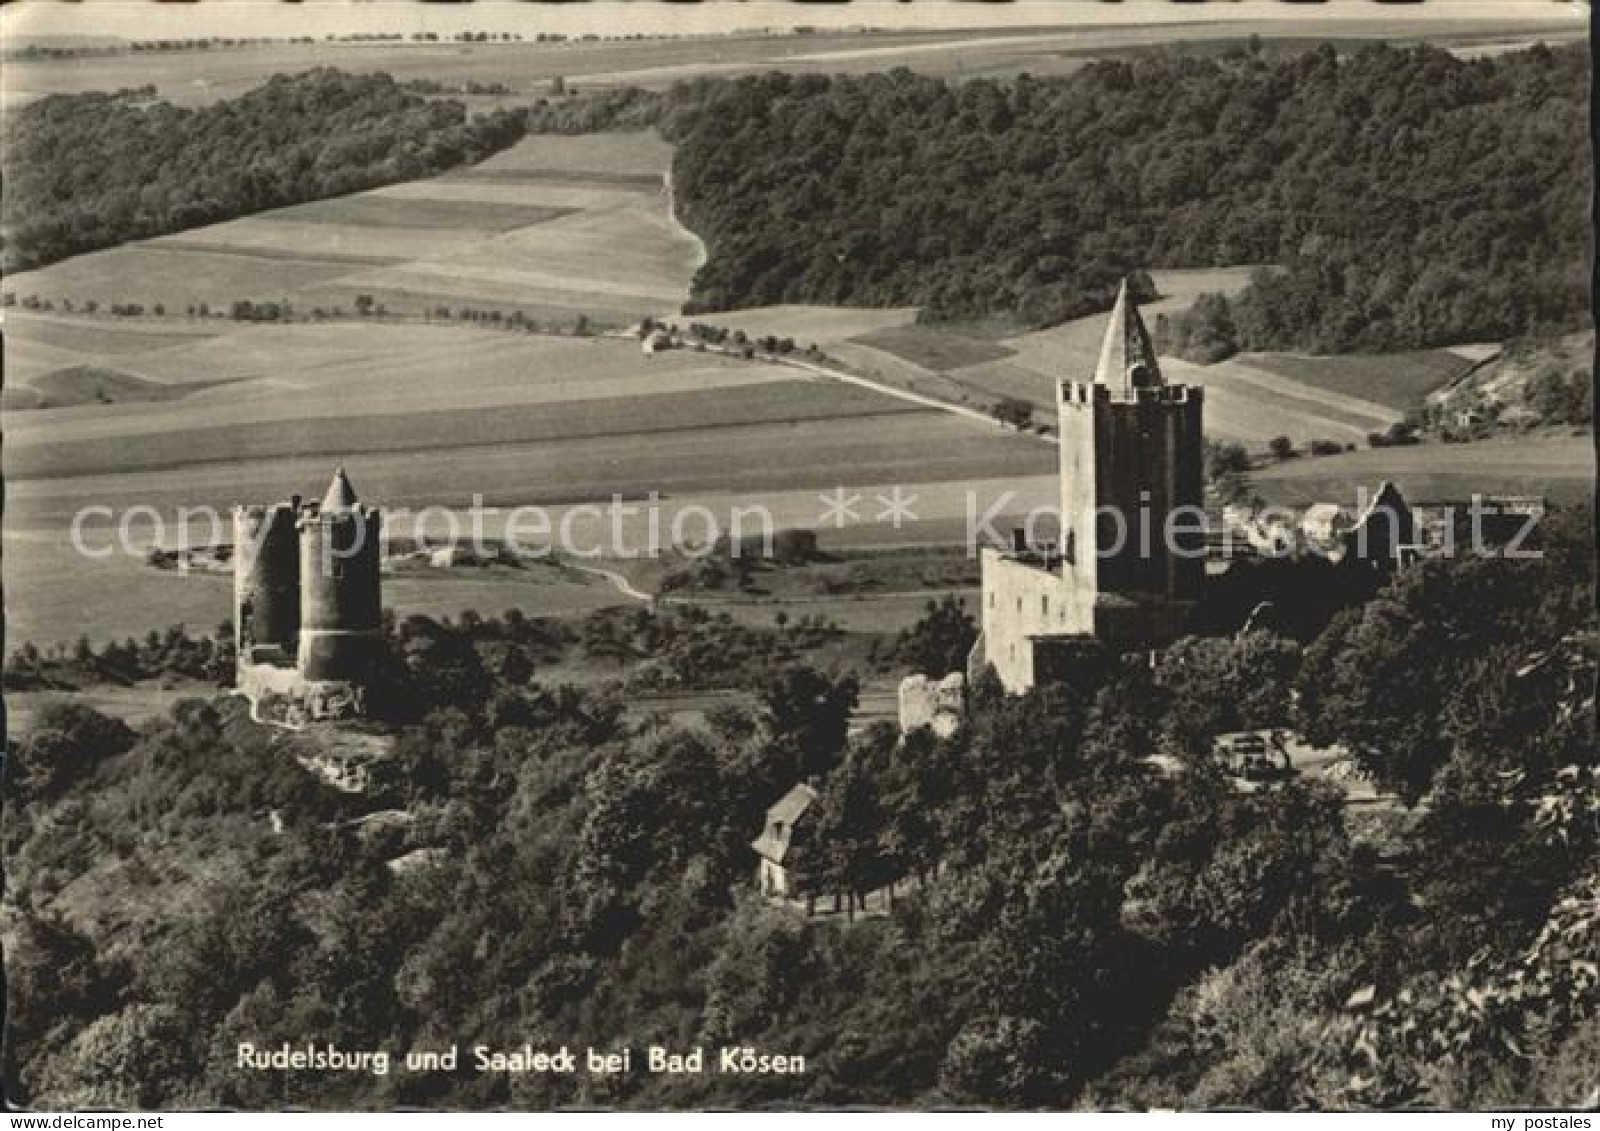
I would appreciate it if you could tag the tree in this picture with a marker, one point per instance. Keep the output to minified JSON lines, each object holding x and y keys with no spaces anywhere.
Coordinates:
{"x":67,"y":741}
{"x":811,"y":711}
{"x":1205,"y":333}
{"x":940,"y":640}
{"x":1229,"y":458}
{"x":848,"y":860}
{"x":138,"y":1058}
{"x":998,"y":1062}
{"x":763,"y":968}
{"x":1013,"y":411}
{"x":1388,"y":680}
{"x":1221,"y":684}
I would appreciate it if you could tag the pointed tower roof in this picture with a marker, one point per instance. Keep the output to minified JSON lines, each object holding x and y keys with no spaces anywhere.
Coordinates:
{"x":1127,"y":356}
{"x":341,"y":496}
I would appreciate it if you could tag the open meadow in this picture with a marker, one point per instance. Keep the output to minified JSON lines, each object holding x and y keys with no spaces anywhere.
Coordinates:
{"x":431,"y":415}
{"x":1559,"y":466}
{"x":1399,"y":381}
{"x":556,"y":228}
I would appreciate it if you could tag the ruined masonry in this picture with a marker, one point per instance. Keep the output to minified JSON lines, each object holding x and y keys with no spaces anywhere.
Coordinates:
{"x":307,"y":606}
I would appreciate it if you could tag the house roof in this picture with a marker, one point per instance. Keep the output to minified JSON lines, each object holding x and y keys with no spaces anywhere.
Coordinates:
{"x":1127,"y":355}
{"x":773,"y":843}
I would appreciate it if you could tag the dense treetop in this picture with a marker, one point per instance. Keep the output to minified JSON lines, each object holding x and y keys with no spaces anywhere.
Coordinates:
{"x":87,"y":171}
{"x":1075,"y":926}
{"x":1413,"y":198}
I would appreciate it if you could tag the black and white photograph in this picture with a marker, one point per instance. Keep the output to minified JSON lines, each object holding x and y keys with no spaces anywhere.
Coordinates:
{"x":756,"y":556}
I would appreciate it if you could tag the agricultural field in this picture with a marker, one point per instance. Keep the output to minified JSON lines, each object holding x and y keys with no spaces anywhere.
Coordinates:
{"x":54,"y":595}
{"x":260,"y":411}
{"x":936,"y":348}
{"x":199,"y":77}
{"x":556,"y":227}
{"x":1252,"y":406}
{"x":823,"y":326}
{"x":41,"y":354}
{"x":646,"y":414}
{"x":1399,"y":380}
{"x":1557,"y":465}
{"x":177,"y":277}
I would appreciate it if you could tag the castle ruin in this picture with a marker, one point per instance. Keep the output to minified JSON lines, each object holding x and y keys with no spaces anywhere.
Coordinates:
{"x":1129,"y":565}
{"x":307,"y":606}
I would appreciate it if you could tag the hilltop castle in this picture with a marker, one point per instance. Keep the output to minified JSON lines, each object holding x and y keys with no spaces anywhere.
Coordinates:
{"x":1127,"y":569}
{"x":307,"y":605}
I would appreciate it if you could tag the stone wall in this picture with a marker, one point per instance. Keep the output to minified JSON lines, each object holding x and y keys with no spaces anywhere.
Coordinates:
{"x":1022,"y":600}
{"x":940,"y":704}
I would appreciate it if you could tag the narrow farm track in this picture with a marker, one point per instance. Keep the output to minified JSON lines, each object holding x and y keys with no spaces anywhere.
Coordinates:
{"x":620,"y":582}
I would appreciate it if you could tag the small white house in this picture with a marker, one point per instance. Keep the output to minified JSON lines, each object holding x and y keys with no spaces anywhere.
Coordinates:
{"x":776,"y":843}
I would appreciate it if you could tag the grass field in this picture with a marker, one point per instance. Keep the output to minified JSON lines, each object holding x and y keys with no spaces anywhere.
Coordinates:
{"x":1556,"y":466}
{"x":934,"y":347}
{"x":429,"y":415}
{"x":452,"y":433}
{"x":1398,"y":380}
{"x":556,"y":227}
{"x":96,"y":385}
{"x":823,"y":326}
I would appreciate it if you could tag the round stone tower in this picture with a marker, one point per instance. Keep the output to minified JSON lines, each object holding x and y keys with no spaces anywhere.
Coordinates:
{"x":340,"y":604}
{"x":266,"y":579}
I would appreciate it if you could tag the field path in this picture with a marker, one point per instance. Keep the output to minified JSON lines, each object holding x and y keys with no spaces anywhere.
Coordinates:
{"x":903,"y":394}
{"x":622,"y":584}
{"x":700,"y":253}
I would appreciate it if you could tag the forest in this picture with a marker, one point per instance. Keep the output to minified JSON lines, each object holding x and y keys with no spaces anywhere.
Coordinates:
{"x":1408,"y":198}
{"x":88,"y":171}
{"x":1078,"y":928}
{"x":1393,"y":198}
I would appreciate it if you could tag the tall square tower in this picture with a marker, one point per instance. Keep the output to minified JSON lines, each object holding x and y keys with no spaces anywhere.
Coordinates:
{"x":1130,"y":562}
